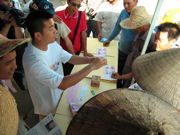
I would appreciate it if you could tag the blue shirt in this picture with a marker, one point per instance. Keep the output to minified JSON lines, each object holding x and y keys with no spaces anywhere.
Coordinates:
{"x":126,"y":36}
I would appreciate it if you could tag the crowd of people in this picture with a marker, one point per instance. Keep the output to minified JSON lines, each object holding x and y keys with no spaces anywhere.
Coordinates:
{"x":58,"y":37}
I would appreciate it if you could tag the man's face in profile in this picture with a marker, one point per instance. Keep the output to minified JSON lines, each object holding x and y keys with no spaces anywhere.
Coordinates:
{"x":162,"y":42}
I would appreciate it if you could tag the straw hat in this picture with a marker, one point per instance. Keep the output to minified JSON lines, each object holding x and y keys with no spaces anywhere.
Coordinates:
{"x":7,"y":45}
{"x":125,"y":112}
{"x":138,"y":17}
{"x":8,"y":113}
{"x":159,"y":73}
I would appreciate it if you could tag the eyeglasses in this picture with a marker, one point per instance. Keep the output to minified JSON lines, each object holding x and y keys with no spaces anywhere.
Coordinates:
{"x":75,"y":5}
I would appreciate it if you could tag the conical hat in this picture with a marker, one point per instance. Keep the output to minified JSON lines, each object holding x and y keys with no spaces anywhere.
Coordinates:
{"x":8,"y":113}
{"x":159,"y":73}
{"x":138,"y":17}
{"x":125,"y":112}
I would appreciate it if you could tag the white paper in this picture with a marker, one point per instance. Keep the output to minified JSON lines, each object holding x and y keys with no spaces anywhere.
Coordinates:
{"x":101,"y":52}
{"x":108,"y":70}
{"x":47,"y":126}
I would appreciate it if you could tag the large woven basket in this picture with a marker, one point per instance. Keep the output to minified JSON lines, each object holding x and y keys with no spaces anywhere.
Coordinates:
{"x":125,"y":112}
{"x":159,"y":73}
{"x":8,"y":113}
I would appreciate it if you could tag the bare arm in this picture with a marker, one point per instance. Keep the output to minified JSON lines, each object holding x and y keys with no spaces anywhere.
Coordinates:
{"x":84,"y":41}
{"x":122,"y":77}
{"x":5,"y":30}
{"x":76,"y":60}
{"x":72,"y":79}
{"x":99,"y":24}
{"x":69,"y":45}
{"x":18,"y":32}
{"x":5,"y":16}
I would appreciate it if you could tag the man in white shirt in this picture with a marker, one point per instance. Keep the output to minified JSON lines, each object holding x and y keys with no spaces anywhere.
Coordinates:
{"x":106,"y":18}
{"x":42,"y":63}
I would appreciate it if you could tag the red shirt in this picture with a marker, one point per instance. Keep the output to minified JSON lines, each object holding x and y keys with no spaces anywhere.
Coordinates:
{"x":71,"y":22}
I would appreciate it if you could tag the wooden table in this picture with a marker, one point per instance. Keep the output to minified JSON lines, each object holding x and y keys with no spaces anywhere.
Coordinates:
{"x":63,"y":115}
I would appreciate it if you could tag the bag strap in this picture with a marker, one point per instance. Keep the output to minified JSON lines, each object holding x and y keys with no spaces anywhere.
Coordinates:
{"x":77,"y":26}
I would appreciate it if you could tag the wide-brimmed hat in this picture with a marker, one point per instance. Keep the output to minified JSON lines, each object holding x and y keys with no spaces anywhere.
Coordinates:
{"x":7,"y":45}
{"x":159,"y":73}
{"x":125,"y":112}
{"x":138,"y":17}
{"x":8,"y":113}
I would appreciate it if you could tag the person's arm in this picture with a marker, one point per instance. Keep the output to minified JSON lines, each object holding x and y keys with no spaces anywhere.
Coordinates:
{"x":122,"y":77}
{"x":116,"y":29}
{"x":72,"y":79}
{"x":57,"y":19}
{"x":18,"y":32}
{"x":84,"y":43}
{"x":76,"y":60}
{"x":5,"y":30}
{"x":114,"y":33}
{"x":69,"y":45}
{"x":99,"y":24}
{"x":5,"y":16}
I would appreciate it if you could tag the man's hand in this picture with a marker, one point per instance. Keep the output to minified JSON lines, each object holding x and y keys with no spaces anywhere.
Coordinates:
{"x":99,"y":36}
{"x":34,"y":6}
{"x":106,"y":43}
{"x":91,"y":59}
{"x":115,"y":75}
{"x":88,"y":54}
{"x":98,"y":62}
{"x":56,"y":18}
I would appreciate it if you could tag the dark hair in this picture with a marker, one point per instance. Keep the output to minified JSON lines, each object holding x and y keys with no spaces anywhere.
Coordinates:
{"x":172,"y":29}
{"x":1,"y":58}
{"x":35,"y":21}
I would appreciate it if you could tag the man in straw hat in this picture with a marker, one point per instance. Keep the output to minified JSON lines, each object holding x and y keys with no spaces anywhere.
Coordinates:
{"x":139,"y":20}
{"x":42,"y":63}
{"x":8,"y":108}
{"x":126,"y":36}
{"x":166,"y":36}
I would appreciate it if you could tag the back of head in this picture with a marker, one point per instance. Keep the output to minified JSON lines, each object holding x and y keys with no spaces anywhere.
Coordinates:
{"x":172,"y":29}
{"x":35,"y":21}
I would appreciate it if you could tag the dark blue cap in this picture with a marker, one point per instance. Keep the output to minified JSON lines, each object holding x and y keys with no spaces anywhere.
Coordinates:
{"x":46,"y":6}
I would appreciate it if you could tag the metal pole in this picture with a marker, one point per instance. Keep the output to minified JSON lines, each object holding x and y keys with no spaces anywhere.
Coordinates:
{"x":158,"y":7}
